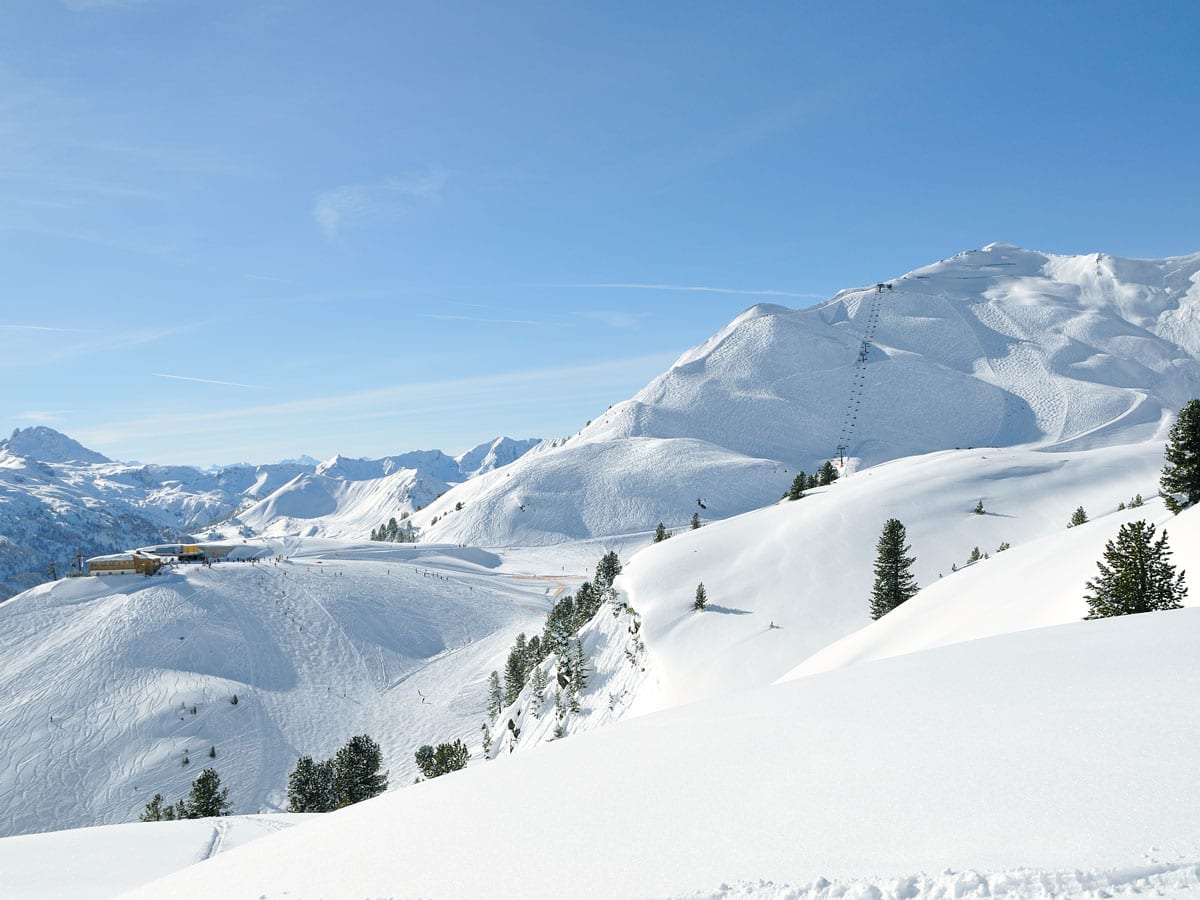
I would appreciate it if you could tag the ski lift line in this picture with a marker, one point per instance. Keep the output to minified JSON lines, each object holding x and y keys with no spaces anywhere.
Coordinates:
{"x":858,"y":376}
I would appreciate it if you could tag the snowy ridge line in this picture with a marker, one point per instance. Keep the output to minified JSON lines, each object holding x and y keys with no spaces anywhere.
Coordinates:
{"x":1060,"y":352}
{"x":1163,"y":880}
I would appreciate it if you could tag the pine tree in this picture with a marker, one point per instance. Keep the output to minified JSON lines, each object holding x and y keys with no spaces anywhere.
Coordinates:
{"x":978,"y":510}
{"x":539,"y":683}
{"x":533,"y":654}
{"x":312,"y":786}
{"x":560,"y":705}
{"x":1078,"y":517}
{"x":894,"y":583}
{"x":451,"y":757}
{"x":358,"y":776}
{"x":797,"y":489}
{"x":1136,"y":575}
{"x":495,"y":695}
{"x":607,"y":570}
{"x":514,"y":672}
{"x":487,"y":739}
{"x":1180,"y":482}
{"x":975,"y":556}
{"x":701,"y":597}
{"x":588,"y":600}
{"x":444,"y":758}
{"x":425,"y":757}
{"x":812,"y":481}
{"x":207,"y":797}
{"x":154,"y":811}
{"x":695,"y":521}
{"x":578,"y":679}
{"x":1004,"y":545}
{"x":661,"y":533}
{"x":827,"y":474}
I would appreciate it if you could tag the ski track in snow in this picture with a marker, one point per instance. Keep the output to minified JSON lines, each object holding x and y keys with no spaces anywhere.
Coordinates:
{"x":104,"y":674}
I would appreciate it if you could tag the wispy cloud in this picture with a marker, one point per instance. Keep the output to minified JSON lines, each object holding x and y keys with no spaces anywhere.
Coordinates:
{"x":614,"y":318}
{"x":43,"y":415}
{"x":203,"y":380}
{"x":40,"y":328}
{"x":481,"y":319}
{"x":43,"y":346}
{"x":355,"y":204}
{"x":396,"y":401}
{"x":637,"y":286}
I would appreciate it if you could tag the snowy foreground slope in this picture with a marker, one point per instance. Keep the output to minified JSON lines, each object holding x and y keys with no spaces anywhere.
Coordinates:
{"x":995,"y":347}
{"x":87,"y":863}
{"x":102,"y":675}
{"x":1055,"y":749}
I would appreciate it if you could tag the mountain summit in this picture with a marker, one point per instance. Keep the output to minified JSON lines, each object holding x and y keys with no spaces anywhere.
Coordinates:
{"x":993,"y":347}
{"x":47,"y":445}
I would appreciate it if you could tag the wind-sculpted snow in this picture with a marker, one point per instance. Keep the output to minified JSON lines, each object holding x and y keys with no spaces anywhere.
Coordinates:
{"x":1154,"y":879}
{"x":996,"y":347}
{"x":102,"y":674}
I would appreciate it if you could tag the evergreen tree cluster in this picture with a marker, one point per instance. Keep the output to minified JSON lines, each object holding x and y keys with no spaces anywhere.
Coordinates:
{"x":559,"y":638}
{"x":206,"y":798}
{"x":661,"y":533}
{"x":435,"y":761}
{"x":352,"y":775}
{"x":394,"y":532}
{"x":1180,"y":481}
{"x":1079,"y":517}
{"x":1136,"y":575}
{"x":825,"y":476}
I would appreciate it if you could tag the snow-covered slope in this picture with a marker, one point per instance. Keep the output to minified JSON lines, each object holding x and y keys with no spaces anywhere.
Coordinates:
{"x":995,"y":347}
{"x":806,"y":565}
{"x":102,"y":674}
{"x":1062,"y":748}
{"x":1032,"y":586}
{"x":101,"y":862}
{"x":349,"y":498}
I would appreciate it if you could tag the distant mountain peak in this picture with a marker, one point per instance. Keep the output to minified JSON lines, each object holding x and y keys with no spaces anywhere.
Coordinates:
{"x":44,"y":444}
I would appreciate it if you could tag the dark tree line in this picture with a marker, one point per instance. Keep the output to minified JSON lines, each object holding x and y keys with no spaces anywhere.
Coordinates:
{"x":206,"y":798}
{"x":559,"y":638}
{"x":352,"y":775}
{"x":394,"y":532}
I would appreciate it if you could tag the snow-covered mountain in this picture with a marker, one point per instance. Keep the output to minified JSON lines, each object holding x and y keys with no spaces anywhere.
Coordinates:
{"x":49,"y":446}
{"x":776,"y":739}
{"x":58,"y":498}
{"x":994,"y":347}
{"x":351,"y":497}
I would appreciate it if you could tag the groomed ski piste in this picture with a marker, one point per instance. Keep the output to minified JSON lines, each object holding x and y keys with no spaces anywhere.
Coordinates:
{"x":980,"y":740}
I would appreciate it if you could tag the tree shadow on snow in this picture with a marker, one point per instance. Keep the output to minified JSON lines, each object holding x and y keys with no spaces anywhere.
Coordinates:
{"x":727,"y":610}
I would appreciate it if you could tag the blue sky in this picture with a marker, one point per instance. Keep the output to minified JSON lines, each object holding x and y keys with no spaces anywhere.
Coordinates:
{"x":249,"y":231}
